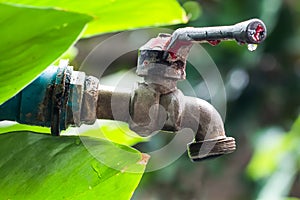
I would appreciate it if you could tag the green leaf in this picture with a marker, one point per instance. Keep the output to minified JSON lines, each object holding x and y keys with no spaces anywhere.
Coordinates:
{"x":115,"y":131}
{"x":268,"y":152}
{"x":193,"y":9}
{"x":117,"y":15}
{"x":278,"y":185}
{"x":271,"y":148}
{"x":8,"y":126}
{"x":32,"y":39}
{"x":38,"y":166}
{"x":275,"y":161}
{"x":295,"y":131}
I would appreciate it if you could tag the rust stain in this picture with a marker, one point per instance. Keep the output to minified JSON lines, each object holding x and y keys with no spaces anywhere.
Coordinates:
{"x":124,"y":169}
{"x":144,"y":159}
{"x":28,"y":115}
{"x":43,"y":113}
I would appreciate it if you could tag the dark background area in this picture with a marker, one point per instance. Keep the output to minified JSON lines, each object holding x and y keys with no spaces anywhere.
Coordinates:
{"x":263,"y":95}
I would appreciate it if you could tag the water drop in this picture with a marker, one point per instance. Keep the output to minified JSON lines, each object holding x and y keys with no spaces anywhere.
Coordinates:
{"x":252,"y":47}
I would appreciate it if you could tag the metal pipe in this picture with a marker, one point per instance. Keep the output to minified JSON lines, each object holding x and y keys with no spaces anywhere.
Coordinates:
{"x":113,"y":104}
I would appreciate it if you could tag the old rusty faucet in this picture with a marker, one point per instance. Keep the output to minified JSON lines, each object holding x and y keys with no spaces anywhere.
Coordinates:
{"x":60,"y":97}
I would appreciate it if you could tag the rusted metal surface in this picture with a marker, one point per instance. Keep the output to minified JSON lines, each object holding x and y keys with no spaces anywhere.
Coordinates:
{"x":252,"y":31}
{"x":158,"y":104}
{"x":60,"y":98}
{"x":89,"y":101}
{"x":113,"y":104}
{"x":33,"y":102}
{"x":206,"y":149}
{"x":44,"y":113}
{"x":72,"y":98}
{"x":144,"y":110}
{"x":162,"y":62}
{"x":104,"y":108}
{"x":165,"y":56}
{"x":174,"y":105}
{"x":76,"y":96}
{"x":175,"y":112}
{"x":153,"y":63}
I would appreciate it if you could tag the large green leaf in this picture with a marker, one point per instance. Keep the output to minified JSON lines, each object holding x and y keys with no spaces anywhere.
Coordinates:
{"x":114,"y":131}
{"x":115,"y":15}
{"x":31,"y":39}
{"x":38,"y":166}
{"x":9,"y":126}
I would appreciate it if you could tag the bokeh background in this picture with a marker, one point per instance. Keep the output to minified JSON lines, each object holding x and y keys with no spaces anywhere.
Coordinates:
{"x":263,"y":104}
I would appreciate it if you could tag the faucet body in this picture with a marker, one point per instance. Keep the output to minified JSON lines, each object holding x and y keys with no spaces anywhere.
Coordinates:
{"x":60,"y":97}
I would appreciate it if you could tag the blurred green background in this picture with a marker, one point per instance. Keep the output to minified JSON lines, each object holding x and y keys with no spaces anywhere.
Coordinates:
{"x":263,"y":104}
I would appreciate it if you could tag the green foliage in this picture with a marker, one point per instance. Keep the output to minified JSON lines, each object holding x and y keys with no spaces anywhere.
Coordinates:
{"x":116,"y":15}
{"x":32,"y":39}
{"x":193,"y":9}
{"x":114,"y":131}
{"x":8,"y":126}
{"x":270,"y":142}
{"x":61,"y":151}
{"x":36,"y":166}
{"x":39,"y":166}
{"x":278,"y":162}
{"x":28,"y":48}
{"x":117,"y":132}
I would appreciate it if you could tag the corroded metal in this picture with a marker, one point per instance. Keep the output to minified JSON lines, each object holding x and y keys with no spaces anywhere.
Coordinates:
{"x":89,"y":101}
{"x":76,"y":96}
{"x":165,"y":56}
{"x":200,"y":150}
{"x":113,"y":103}
{"x":60,"y":97}
{"x":152,"y":62}
{"x":252,"y":31}
{"x":63,"y":97}
{"x":144,"y":110}
{"x":162,"y":62}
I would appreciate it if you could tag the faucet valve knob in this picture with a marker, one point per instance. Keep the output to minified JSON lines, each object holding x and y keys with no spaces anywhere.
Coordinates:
{"x":164,"y":57}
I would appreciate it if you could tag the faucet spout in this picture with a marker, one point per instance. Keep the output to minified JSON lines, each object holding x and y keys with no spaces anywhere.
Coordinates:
{"x":169,"y":112}
{"x":210,"y":139}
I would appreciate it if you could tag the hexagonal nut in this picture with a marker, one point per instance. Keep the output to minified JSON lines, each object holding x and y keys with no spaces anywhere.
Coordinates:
{"x":75,"y":99}
{"x":89,"y":101}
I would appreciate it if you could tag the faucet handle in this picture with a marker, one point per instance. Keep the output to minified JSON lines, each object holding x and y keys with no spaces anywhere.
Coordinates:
{"x":252,"y":31}
{"x":164,"y":57}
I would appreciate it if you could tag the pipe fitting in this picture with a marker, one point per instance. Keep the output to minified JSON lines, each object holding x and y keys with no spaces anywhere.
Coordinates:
{"x":59,"y":97}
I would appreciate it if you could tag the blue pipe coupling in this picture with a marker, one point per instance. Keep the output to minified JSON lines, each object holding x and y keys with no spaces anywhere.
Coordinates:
{"x":59,"y":97}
